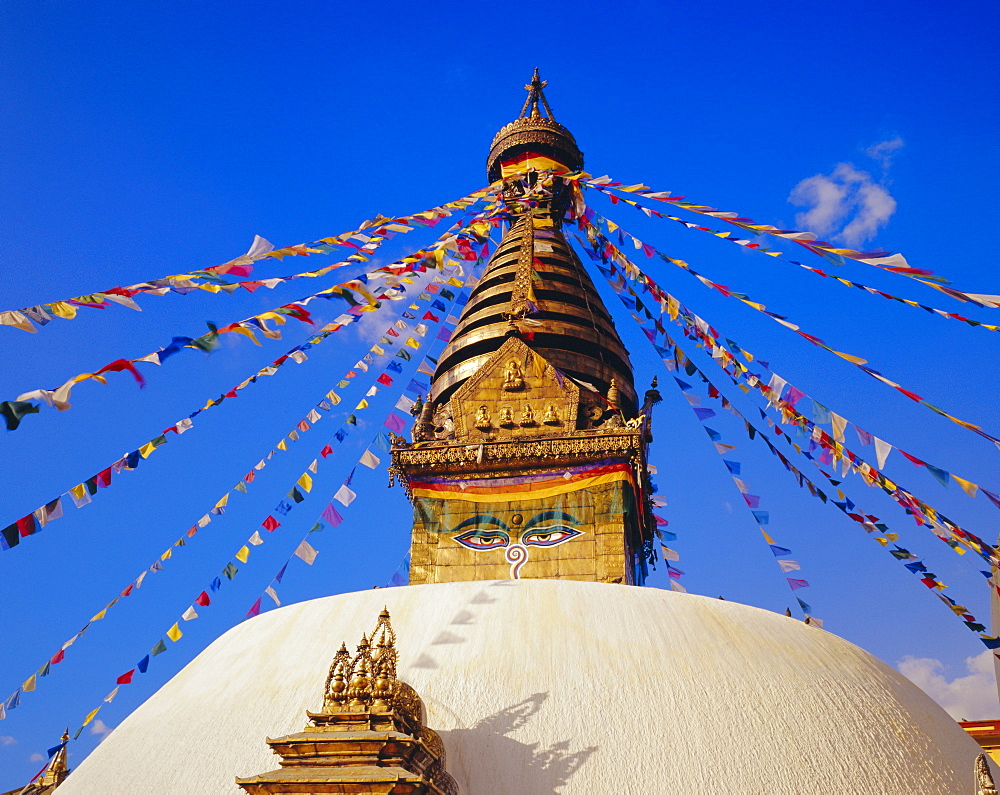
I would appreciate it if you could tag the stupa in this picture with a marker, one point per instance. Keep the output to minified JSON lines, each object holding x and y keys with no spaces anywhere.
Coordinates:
{"x":536,"y":657}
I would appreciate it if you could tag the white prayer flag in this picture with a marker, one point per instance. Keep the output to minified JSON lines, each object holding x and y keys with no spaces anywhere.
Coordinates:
{"x":306,"y":553}
{"x":344,"y":495}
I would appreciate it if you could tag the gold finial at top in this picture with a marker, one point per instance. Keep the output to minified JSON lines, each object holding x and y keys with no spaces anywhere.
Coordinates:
{"x":534,"y":89}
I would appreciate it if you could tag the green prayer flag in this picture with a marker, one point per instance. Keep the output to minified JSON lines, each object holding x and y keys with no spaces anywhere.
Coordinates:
{"x":230,"y":570}
{"x":159,"y":648}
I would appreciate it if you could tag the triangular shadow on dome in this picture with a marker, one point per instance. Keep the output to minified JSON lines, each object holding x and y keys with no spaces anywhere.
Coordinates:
{"x":504,"y":765}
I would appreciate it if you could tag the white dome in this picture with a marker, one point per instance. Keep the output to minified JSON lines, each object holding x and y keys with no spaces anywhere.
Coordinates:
{"x":542,"y":686}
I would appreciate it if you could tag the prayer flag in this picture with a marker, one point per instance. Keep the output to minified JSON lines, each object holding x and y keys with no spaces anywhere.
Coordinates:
{"x":395,"y":423}
{"x":305,"y":552}
{"x":796,"y":584}
{"x":344,"y":495}
{"x":331,"y":516}
{"x":369,"y":460}
{"x":203,"y":599}
{"x":174,"y":633}
{"x":243,"y":554}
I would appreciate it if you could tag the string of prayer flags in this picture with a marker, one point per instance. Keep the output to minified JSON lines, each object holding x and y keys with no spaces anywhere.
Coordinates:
{"x":696,"y":328}
{"x":749,"y":243}
{"x":304,"y":482}
{"x":869,"y":523}
{"x":370,"y":234}
{"x":894,"y":263}
{"x":59,"y":397}
{"x":82,"y":493}
{"x":613,"y":253}
{"x":777,"y":384}
{"x":734,"y":468}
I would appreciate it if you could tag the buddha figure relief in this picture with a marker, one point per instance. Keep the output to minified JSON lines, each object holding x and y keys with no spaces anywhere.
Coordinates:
{"x":527,"y":416}
{"x":513,"y":378}
{"x":482,"y":420}
{"x":507,"y":417}
{"x":551,"y":416}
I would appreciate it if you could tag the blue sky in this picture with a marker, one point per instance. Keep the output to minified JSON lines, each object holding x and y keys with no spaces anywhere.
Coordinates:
{"x":141,"y":141}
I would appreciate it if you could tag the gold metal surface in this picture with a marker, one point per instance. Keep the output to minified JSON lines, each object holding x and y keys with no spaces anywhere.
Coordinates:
{"x":369,"y":736}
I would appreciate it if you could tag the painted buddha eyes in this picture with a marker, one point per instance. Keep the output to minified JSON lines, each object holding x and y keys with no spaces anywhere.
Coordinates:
{"x":547,"y":529}
{"x":548,"y":536}
{"x":483,"y":539}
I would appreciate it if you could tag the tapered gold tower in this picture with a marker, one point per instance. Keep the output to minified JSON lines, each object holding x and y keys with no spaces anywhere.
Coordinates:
{"x":528,"y":457}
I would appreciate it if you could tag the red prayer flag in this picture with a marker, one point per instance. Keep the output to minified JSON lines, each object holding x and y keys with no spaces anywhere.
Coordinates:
{"x":103,"y":478}
{"x":912,"y":459}
{"x":270,"y":524}
{"x":303,"y":426}
{"x":430,"y":316}
{"x":59,"y":657}
{"x":125,"y":679}
{"x":128,"y":590}
{"x":384,"y":379}
{"x":26,"y":525}
{"x":392,"y":332}
{"x":123,"y":364}
{"x":255,"y":610}
{"x":327,"y":450}
{"x":203,"y":599}
{"x":796,"y":584}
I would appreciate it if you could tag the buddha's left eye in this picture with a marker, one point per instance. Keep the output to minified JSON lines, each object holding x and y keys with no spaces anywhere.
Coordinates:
{"x":483,"y":539}
{"x":548,"y":536}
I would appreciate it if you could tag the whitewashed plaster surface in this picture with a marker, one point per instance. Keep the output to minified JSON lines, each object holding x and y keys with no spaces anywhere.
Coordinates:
{"x":543,"y":686}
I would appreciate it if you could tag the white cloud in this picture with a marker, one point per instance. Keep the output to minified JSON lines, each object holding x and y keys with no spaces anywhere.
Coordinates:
{"x":846,"y":204}
{"x":6,"y":739}
{"x":883,"y":152}
{"x":36,"y":758}
{"x":970,"y":697}
{"x":101,"y":728}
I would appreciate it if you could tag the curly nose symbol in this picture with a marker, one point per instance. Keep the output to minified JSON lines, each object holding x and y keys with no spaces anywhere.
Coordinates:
{"x":516,"y":555}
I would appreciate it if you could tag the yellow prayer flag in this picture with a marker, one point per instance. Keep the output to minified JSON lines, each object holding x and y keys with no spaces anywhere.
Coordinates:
{"x":767,"y":538}
{"x":282,"y":445}
{"x":455,"y":282}
{"x":174,"y":633}
{"x":100,"y":615}
{"x":243,"y":554}
{"x":851,"y":358}
{"x":63,"y":310}
{"x":305,"y":482}
{"x":146,"y":450}
{"x":91,"y":716}
{"x":79,"y":491}
{"x":223,"y":502}
{"x":362,"y":405}
{"x":968,"y":486}
{"x":28,"y":686}
{"x":246,"y":333}
{"x":412,"y":342}
{"x":166,"y":555}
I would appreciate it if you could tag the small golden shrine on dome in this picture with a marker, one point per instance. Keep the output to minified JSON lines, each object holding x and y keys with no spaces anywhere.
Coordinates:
{"x":369,"y":737}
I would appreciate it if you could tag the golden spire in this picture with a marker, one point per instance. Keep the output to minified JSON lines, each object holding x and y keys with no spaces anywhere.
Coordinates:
{"x":535,"y":286}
